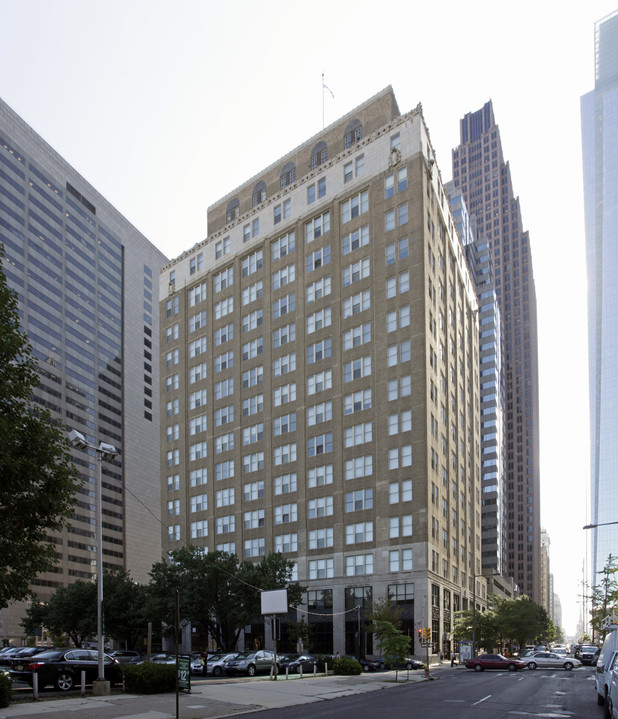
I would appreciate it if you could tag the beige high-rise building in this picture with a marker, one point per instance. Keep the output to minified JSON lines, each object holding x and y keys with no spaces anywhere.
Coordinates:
{"x":320,"y":381}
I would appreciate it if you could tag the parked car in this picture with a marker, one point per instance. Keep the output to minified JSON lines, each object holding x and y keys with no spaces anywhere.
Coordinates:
{"x":20,"y":652}
{"x":198,"y":663}
{"x":63,"y":667}
{"x":126,"y":656}
{"x":544,"y":660}
{"x":587,"y":653}
{"x":217,"y":662}
{"x":293,"y":662}
{"x":408,"y":663}
{"x":494,"y":661}
{"x":251,"y":663}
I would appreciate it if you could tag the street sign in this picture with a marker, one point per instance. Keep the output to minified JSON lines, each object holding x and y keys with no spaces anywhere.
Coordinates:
{"x":184,"y":673}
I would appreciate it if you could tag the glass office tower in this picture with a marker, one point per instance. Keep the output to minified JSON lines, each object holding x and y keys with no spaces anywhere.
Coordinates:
{"x":599,"y":111}
{"x":87,"y":288}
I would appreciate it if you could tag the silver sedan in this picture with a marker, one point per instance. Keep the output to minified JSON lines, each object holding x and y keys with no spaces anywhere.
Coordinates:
{"x":550,"y":660}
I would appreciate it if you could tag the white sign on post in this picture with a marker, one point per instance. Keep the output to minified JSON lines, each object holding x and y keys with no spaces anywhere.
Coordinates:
{"x":275,"y":601}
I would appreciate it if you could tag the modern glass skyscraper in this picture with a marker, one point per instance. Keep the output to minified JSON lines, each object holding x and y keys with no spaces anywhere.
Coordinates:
{"x":484,"y":178}
{"x":87,"y":287}
{"x":599,"y":111}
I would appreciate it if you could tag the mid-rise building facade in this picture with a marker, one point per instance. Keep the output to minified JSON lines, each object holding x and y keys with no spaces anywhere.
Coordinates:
{"x":87,"y":287}
{"x":600,"y":164}
{"x":482,"y":175}
{"x":320,"y":386}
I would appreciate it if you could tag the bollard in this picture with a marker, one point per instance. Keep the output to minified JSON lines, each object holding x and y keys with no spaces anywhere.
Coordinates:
{"x":83,"y":684}
{"x":287,"y":669}
{"x":35,"y":686}
{"x":300,"y":670}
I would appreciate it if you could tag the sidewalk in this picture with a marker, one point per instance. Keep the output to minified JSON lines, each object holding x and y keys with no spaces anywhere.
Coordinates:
{"x":212,"y":698}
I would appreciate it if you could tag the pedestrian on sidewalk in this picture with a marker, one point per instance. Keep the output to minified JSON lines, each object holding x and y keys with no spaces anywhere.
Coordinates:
{"x":452,"y":659}
{"x":440,"y":655}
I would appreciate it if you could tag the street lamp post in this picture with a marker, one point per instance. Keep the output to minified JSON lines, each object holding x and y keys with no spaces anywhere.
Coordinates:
{"x":107,"y":451}
{"x":601,"y":524}
{"x":474,"y":577}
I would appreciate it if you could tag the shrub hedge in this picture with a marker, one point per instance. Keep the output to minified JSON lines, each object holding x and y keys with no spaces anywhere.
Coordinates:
{"x":346,"y":665}
{"x":150,"y":678}
{"x":5,"y":689}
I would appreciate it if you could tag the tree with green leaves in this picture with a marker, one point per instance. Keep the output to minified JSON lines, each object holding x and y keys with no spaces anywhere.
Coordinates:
{"x":604,"y":595}
{"x":216,"y":590}
{"x":394,"y":644}
{"x":72,"y":611}
{"x":39,"y":482}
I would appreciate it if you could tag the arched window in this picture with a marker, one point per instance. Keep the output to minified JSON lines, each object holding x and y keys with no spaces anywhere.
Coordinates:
{"x":353,"y":133}
{"x":259,"y":193}
{"x":319,"y":155}
{"x":233,"y":210}
{"x":288,"y":174}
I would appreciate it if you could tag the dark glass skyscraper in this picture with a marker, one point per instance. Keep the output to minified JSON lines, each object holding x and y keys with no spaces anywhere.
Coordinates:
{"x":599,"y":110}
{"x":87,"y":288}
{"x":484,"y":178}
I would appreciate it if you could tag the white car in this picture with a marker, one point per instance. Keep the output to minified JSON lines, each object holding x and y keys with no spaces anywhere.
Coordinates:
{"x":551,"y":660}
{"x":611,"y":700}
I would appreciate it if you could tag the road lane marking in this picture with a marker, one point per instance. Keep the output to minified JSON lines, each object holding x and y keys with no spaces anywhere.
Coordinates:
{"x":482,"y":700}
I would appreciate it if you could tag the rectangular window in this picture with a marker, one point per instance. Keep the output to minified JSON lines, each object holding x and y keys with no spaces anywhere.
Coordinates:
{"x":284,"y":335}
{"x":197,"y":294}
{"x":360,"y":367}
{"x":225,"y":388}
{"x":252,"y":434}
{"x":321,"y":569}
{"x":252,"y":263}
{"x":320,"y":507}
{"x":359,"y":335}
{"x":319,"y":413}
{"x":321,"y":444}
{"x":224,"y":415}
{"x":197,"y":451}
{"x":284,"y":305}
{"x":319,"y":350}
{"x":253,"y":462}
{"x":358,"y":434}
{"x":358,"y":500}
{"x":197,"y":347}
{"x":196,"y":322}
{"x":284,"y":276}
{"x":357,"y":401}
{"x":318,"y":320}
{"x":321,"y":538}
{"x":282,"y":246}
{"x":356,"y":271}
{"x":197,"y":399}
{"x":359,"y":533}
{"x":222,"y":248}
{"x":284,"y":454}
{"x":319,"y":258}
{"x":354,"y":240}
{"x":253,"y":519}
{"x":255,"y":547}
{"x":224,"y":361}
{"x":284,"y":424}
{"x":285,"y":513}
{"x":397,"y":251}
{"x":253,"y":405}
{"x":199,"y":529}
{"x":224,"y":497}
{"x":197,"y":424}
{"x":224,"y":334}
{"x":253,"y":491}
{"x":355,"y":206}
{"x":224,"y":279}
{"x":285,"y":483}
{"x":319,"y":382}
{"x":359,"y":467}
{"x":224,"y":442}
{"x":252,"y":321}
{"x":285,"y":364}
{"x":252,"y":293}
{"x":286,"y":543}
{"x":253,"y":377}
{"x":318,"y":476}
{"x":317,"y":227}
{"x":253,"y":349}
{"x":285,"y":393}
{"x":318,"y":289}
{"x":225,"y":307}
{"x":356,"y":303}
{"x":359,"y":565}
{"x":224,"y":470}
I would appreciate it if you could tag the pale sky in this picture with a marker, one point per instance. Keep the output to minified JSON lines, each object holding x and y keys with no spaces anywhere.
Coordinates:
{"x":167,"y":105}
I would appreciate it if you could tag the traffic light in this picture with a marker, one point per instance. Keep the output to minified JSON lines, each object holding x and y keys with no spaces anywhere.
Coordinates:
{"x":420,"y":634}
{"x":426,"y":632}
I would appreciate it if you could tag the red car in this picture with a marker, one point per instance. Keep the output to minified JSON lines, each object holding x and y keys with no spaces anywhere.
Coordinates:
{"x":494,"y":661}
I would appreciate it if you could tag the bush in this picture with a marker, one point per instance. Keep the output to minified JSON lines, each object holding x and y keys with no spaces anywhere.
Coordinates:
{"x":324,"y":660}
{"x":150,"y":678}
{"x":347,"y":666}
{"x":5,"y":689}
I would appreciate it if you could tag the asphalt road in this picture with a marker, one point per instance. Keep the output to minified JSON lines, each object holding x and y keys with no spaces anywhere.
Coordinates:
{"x":547,"y":694}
